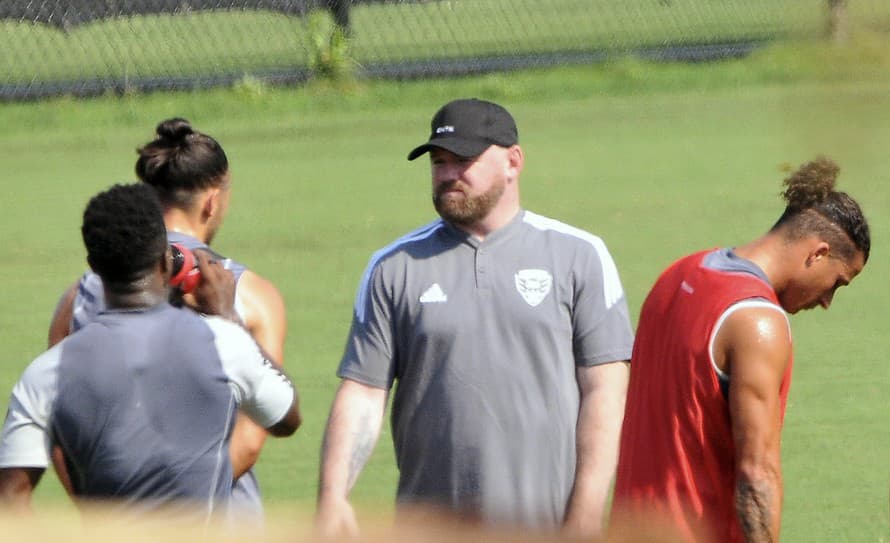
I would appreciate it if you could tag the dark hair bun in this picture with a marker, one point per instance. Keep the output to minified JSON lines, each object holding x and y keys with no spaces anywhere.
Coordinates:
{"x":174,"y":130}
{"x":811,"y":184}
{"x":179,"y":161}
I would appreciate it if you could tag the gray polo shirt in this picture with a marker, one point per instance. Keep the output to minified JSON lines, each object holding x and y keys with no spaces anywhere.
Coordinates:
{"x":483,"y":339}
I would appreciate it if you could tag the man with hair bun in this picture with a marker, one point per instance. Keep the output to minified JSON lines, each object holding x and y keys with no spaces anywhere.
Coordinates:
{"x":140,"y":402}
{"x":711,"y":366}
{"x":189,"y":170}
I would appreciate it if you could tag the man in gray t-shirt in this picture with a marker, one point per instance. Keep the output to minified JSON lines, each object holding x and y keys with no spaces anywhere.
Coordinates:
{"x":506,"y":335}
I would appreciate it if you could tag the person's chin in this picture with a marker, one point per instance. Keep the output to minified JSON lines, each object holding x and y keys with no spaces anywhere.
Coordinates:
{"x":804,"y":308}
{"x":450,"y":209}
{"x":452,"y":196}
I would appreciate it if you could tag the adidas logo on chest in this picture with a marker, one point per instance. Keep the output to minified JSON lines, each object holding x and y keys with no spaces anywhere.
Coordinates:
{"x":434,"y":294}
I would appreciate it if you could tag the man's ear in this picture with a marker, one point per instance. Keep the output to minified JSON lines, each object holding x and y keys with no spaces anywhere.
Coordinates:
{"x":210,"y":206}
{"x":819,"y":251}
{"x":516,"y":159}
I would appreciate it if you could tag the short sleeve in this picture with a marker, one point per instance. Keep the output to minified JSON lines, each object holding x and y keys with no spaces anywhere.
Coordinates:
{"x":368,"y":356}
{"x":263,"y":392}
{"x":25,"y":442}
{"x":601,"y":325}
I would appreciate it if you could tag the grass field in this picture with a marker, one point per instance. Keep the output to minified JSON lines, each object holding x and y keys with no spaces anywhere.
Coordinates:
{"x":659,"y":160}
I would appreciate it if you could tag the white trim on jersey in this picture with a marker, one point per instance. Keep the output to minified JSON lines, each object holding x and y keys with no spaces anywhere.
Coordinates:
{"x":744,"y":304}
{"x":612,"y":289}
{"x":361,"y":298}
{"x":25,"y":441}
{"x":262,"y":391}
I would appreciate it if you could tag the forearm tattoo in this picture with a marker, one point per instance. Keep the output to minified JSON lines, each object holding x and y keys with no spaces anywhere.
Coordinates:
{"x":754,"y":504}
{"x":362,"y":446}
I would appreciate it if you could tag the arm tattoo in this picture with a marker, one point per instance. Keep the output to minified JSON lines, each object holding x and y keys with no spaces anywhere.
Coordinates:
{"x":357,"y":449}
{"x":361,"y":448}
{"x":754,"y":503}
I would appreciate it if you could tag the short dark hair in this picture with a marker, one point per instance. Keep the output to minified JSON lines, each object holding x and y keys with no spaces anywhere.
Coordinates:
{"x":814,"y":207}
{"x":180,"y":161}
{"x":123,"y":231}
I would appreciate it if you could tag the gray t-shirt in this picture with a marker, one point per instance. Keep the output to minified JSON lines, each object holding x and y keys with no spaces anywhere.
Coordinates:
{"x":483,"y":340}
{"x":142,"y":404}
{"x":89,"y":302}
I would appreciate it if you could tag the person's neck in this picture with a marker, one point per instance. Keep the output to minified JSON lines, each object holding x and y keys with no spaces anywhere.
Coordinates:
{"x":769,"y":252}
{"x":177,"y":220}
{"x":493,"y":222}
{"x":141,"y":293}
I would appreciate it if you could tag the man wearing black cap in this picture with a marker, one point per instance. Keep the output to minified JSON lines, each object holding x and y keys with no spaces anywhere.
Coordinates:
{"x":508,"y":335}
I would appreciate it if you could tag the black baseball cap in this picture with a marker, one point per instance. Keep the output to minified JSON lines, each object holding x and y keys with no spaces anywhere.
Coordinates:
{"x":467,"y":127}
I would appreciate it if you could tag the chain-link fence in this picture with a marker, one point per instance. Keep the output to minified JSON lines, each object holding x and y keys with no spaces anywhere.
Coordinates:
{"x":93,"y":46}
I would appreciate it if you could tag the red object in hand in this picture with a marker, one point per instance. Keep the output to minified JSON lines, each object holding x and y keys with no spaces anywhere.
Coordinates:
{"x":186,"y":274}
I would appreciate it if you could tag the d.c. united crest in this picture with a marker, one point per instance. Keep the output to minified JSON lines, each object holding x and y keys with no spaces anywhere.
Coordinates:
{"x":533,"y":285}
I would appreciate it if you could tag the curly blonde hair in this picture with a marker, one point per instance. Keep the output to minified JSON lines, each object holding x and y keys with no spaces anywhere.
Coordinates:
{"x":814,"y":207}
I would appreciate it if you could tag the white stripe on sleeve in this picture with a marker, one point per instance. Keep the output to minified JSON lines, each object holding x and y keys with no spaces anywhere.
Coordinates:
{"x":263,"y":392}
{"x":25,"y":440}
{"x":361,"y":299}
{"x":612,"y":289}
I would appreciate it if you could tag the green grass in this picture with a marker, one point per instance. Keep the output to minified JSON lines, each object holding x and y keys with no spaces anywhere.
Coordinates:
{"x":208,"y":43}
{"x":659,"y":160}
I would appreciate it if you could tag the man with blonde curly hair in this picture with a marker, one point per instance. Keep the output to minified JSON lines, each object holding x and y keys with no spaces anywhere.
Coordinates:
{"x":712,"y":361}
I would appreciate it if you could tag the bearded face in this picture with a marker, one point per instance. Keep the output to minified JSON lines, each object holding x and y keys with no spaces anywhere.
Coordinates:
{"x":466,"y":190}
{"x":455,"y":204}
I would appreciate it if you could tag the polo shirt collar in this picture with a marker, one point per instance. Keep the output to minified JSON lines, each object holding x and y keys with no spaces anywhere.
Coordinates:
{"x":505,"y":232}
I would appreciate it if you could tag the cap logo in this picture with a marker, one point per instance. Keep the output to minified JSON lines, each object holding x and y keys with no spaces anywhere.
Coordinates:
{"x":445,"y":129}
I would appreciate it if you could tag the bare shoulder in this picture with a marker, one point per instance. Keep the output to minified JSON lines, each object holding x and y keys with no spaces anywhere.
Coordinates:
{"x":255,"y":288}
{"x":60,"y":325}
{"x":754,"y":335}
{"x":262,"y":308}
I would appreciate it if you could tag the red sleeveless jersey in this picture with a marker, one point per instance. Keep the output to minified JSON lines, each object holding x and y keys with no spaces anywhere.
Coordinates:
{"x":677,"y":458}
